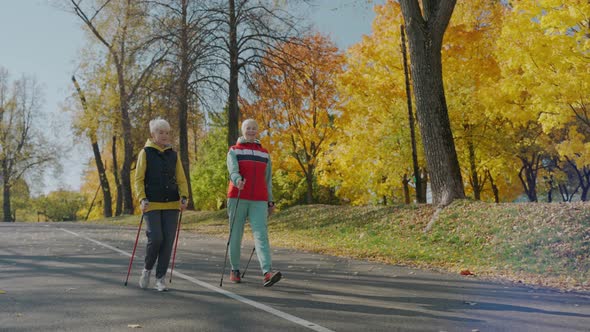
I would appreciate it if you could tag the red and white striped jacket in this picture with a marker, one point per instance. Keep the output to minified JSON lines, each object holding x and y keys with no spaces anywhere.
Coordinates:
{"x":250,"y":161}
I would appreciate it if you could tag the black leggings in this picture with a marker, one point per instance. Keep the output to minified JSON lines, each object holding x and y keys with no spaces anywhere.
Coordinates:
{"x":161,"y":229}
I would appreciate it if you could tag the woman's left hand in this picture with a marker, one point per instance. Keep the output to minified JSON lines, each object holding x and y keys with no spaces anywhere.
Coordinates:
{"x":183,"y":204}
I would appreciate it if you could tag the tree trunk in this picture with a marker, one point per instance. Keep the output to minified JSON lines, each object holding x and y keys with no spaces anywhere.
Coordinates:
{"x":424,"y":184}
{"x":119,"y":202}
{"x":586,"y":180}
{"x":494,"y":187}
{"x":183,"y":97}
{"x":127,"y":154}
{"x":195,"y":145}
{"x":425,"y":35}
{"x":406,"y":187}
{"x":6,"y":196}
{"x":420,"y":198}
{"x":564,"y":193}
{"x":92,"y":203}
{"x":551,"y":183}
{"x":583,"y":175}
{"x":473,"y":170}
{"x":528,"y":176}
{"x":107,"y":206}
{"x":309,"y":181}
{"x":233,"y":131}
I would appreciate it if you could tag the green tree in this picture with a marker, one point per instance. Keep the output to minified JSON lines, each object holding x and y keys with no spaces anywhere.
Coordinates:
{"x":61,"y":205}
{"x":20,"y":202}
{"x":209,"y":176}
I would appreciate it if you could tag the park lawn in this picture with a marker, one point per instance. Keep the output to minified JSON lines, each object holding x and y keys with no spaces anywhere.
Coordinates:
{"x":537,"y":244}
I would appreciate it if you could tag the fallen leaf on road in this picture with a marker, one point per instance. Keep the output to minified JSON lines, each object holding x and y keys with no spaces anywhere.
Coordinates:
{"x":466,"y":272}
{"x":134,"y":326}
{"x":2,"y":292}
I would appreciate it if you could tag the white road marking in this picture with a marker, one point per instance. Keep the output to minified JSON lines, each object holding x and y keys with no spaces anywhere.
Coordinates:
{"x":264,"y":307}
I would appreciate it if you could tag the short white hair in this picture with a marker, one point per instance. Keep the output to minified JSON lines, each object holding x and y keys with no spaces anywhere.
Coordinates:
{"x":158,"y":123}
{"x":246,"y":123}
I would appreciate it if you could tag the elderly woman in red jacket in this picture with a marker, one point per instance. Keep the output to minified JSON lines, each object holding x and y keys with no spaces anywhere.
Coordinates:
{"x":250,"y":188}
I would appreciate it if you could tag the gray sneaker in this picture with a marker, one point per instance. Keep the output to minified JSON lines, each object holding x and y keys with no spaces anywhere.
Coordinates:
{"x":161,"y":284}
{"x":144,"y":281}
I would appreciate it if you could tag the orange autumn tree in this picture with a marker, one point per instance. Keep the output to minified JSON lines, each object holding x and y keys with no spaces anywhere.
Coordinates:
{"x":295,"y":102}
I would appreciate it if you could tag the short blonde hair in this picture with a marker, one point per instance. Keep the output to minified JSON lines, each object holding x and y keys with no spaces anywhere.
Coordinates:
{"x":246,"y":122}
{"x":158,"y":123}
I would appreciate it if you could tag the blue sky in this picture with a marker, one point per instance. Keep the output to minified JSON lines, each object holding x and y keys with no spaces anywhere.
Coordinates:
{"x":37,"y":38}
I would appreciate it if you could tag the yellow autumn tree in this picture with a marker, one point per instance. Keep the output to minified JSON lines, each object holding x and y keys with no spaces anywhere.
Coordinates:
{"x":545,"y":78}
{"x":376,"y":117}
{"x":373,"y":154}
{"x":471,"y":71}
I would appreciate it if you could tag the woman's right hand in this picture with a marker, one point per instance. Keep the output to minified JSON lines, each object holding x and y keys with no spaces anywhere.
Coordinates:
{"x":143,"y":206}
{"x":241,"y":183}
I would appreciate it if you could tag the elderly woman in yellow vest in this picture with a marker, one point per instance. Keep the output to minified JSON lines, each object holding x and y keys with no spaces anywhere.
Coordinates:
{"x":162,"y":190}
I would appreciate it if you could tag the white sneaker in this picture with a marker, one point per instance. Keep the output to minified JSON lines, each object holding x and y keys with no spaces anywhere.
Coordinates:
{"x":144,"y":281}
{"x":161,"y":284}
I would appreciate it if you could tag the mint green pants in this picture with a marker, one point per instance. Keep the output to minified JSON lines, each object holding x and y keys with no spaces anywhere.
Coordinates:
{"x":257,"y":213}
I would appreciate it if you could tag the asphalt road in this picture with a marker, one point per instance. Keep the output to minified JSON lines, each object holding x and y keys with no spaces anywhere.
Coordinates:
{"x":70,"y":277}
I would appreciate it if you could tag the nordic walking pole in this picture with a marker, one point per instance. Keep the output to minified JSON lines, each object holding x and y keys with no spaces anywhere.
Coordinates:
{"x":246,"y":269}
{"x":231,"y":227}
{"x":175,"y":244}
{"x":134,"y":247}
